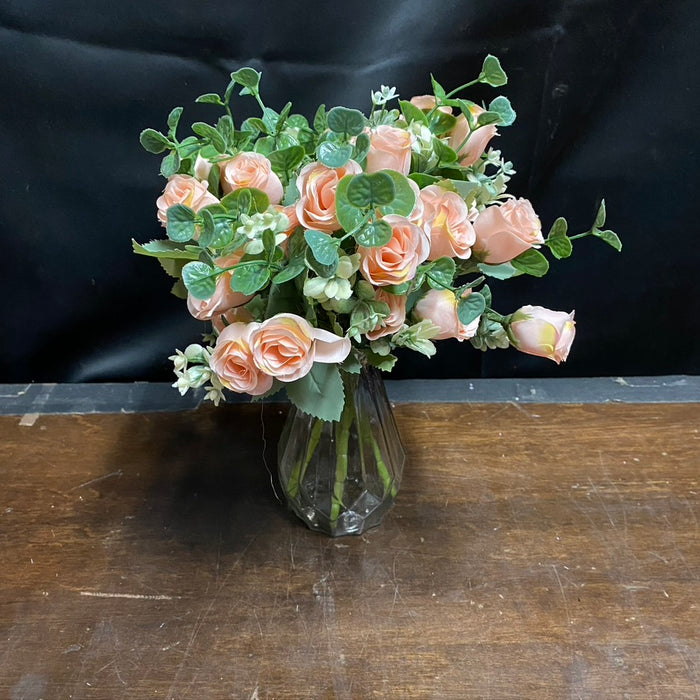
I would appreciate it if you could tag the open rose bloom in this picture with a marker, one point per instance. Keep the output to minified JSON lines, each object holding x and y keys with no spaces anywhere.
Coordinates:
{"x":313,"y":247}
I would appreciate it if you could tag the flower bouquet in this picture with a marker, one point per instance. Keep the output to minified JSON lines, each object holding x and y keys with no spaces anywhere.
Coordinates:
{"x":315,"y":249}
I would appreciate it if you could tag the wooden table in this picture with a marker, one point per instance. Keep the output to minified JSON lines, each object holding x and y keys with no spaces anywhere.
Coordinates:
{"x":537,"y":551}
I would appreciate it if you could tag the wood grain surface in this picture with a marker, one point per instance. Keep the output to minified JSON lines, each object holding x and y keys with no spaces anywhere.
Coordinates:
{"x":539,"y":552}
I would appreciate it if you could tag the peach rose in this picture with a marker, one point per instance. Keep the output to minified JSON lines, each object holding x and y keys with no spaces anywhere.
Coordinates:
{"x":476,"y":141}
{"x":397,"y":315}
{"x":223,"y":299}
{"x":506,"y":230}
{"x":251,"y":170}
{"x":539,"y":331}
{"x":286,"y":346}
{"x":446,"y":220}
{"x":395,"y":262}
{"x":317,"y":185}
{"x":390,"y":149}
{"x":187,"y":190}
{"x":440,"y":307}
{"x":232,"y":361}
{"x":427,"y":103}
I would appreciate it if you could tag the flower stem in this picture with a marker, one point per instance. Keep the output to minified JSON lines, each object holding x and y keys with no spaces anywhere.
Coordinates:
{"x":342,"y":440}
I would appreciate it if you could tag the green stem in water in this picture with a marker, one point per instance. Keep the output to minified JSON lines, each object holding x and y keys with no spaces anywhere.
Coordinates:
{"x":342,"y":441}
{"x":299,"y":471}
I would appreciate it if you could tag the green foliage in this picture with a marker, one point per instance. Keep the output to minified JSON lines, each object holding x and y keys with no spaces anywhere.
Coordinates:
{"x":441,"y":273}
{"x":164,"y":249}
{"x":610,"y":237}
{"x":154,"y":142}
{"x":210,"y":98}
{"x":404,"y":197}
{"x":375,"y":233}
{"x":342,"y":120}
{"x":323,"y":246}
{"x":200,"y":279}
{"x":170,"y":164}
{"x":334,"y":155}
{"x":320,"y":393}
{"x":286,"y":159}
{"x":503,"y":271}
{"x":250,"y":277}
{"x":371,"y":190}
{"x":557,"y":240}
{"x":501,"y":106}
{"x":411,"y":113}
{"x":491,"y":72}
{"x":210,"y":134}
{"x":246,"y":200}
{"x":531,"y":262}
{"x":470,"y":307}
{"x":180,"y":225}
{"x":249,"y":78}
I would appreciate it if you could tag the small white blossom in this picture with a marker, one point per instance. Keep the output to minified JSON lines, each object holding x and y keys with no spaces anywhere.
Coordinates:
{"x":254,"y":226}
{"x":383,"y":95}
{"x":179,"y":360}
{"x":337,"y":287}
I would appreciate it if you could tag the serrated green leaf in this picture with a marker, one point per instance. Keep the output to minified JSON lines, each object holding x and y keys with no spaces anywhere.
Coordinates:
{"x":501,"y":106}
{"x":170,"y":164}
{"x":154,"y":142}
{"x":180,"y":223}
{"x":293,"y":269}
{"x":323,"y":246}
{"x":371,"y":190}
{"x":382,"y":362}
{"x":404,"y":197}
{"x":210,"y":98}
{"x":320,"y":393}
{"x":503,"y":271}
{"x":610,"y":237}
{"x":600,"y":216}
{"x":320,"y":119}
{"x":441,"y":273}
{"x":249,"y":78}
{"x":469,"y":308}
{"x":491,"y":72}
{"x":208,"y":132}
{"x":411,"y":113}
{"x":174,"y":120}
{"x":342,"y":120}
{"x":164,"y":249}
{"x":442,"y":123}
{"x":200,"y":279}
{"x":250,"y":278}
{"x":531,"y":262}
{"x":374,"y":234}
{"x":286,"y":159}
{"x":334,"y":155}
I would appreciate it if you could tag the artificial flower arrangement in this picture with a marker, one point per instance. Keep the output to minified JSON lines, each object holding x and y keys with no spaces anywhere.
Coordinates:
{"x":314,"y":248}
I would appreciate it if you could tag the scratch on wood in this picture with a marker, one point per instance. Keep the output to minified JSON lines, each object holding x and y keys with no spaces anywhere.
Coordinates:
{"x":130,"y":596}
{"x":118,"y":473}
{"x":563,"y":594}
{"x":28,"y":419}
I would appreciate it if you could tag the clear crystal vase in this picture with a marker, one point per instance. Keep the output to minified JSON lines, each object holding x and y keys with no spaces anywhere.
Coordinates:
{"x":342,"y":477}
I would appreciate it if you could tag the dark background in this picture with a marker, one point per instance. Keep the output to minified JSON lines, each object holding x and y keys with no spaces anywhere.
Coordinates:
{"x":607,"y":102}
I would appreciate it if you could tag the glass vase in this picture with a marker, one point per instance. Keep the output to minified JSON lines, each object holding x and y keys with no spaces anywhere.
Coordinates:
{"x":342,"y":477}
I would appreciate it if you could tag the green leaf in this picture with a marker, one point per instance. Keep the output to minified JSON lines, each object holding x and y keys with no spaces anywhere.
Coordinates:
{"x":250,"y":278}
{"x":531,"y":262}
{"x":423,"y":180}
{"x":286,"y":159}
{"x":323,"y":246}
{"x":486,"y":118}
{"x":610,"y":237}
{"x":469,"y":308}
{"x":210,"y":98}
{"x":374,"y":234}
{"x":504,"y":271}
{"x":371,"y":190}
{"x":320,"y":269}
{"x":246,"y":200}
{"x":491,"y":72}
{"x":164,"y":249}
{"x":349,"y":216}
{"x":362,"y":144}
{"x":319,"y":393}
{"x":265,"y":145}
{"x":200,"y":279}
{"x":216,"y":233}
{"x":411,"y":113}
{"x":208,"y":132}
{"x":172,"y":267}
{"x":170,"y":164}
{"x":501,"y":106}
{"x":249,"y":78}
{"x":154,"y":142}
{"x":334,"y":155}
{"x":342,"y":120}
{"x":600,"y":216}
{"x":382,"y":362}
{"x":442,"y":123}
{"x":188,"y":147}
{"x":441,"y":273}
{"x":320,"y":119}
{"x":174,"y":120}
{"x":557,"y":240}
{"x":438,"y":90}
{"x":444,"y":153}
{"x":254,"y":124}
{"x":463,"y":188}
{"x":227,"y":129}
{"x":294,"y":268}
{"x":180,"y":225}
{"x":214,"y":179}
{"x":404,"y":197}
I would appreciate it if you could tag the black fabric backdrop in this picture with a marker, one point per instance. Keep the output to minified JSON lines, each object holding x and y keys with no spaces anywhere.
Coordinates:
{"x":607,"y":101}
